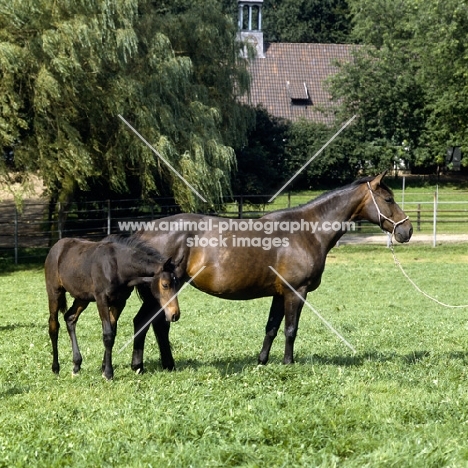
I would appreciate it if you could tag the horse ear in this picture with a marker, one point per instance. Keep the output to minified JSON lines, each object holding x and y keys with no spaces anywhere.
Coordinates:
{"x":168,"y":266}
{"x":377,"y":180}
{"x":140,"y":280}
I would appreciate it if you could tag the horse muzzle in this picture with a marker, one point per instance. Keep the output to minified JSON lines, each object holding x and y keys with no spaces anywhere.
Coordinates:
{"x":403,"y":232}
{"x":172,"y":316}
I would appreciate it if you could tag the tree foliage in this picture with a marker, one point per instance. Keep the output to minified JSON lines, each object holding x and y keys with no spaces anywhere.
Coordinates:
{"x":68,"y":69}
{"x":339,"y":163}
{"x":325,"y":21}
{"x":262,"y":164}
{"x":306,"y":21}
{"x":408,"y":83}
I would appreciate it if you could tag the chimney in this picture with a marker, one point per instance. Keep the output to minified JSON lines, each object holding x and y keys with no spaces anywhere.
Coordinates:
{"x":250,"y":24}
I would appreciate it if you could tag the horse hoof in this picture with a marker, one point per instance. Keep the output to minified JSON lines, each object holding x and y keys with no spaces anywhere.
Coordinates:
{"x":108,"y":378}
{"x":75,"y":374}
{"x":139,"y":369}
{"x":168,"y":364}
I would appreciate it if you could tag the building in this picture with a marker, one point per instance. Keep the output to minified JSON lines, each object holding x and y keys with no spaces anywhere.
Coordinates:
{"x":289,"y":80}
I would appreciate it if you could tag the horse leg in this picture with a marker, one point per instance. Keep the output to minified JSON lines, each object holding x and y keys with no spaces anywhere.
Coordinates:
{"x":71,"y":317}
{"x":272,"y":326}
{"x":292,"y":312}
{"x":161,"y":329}
{"x":57,"y":302}
{"x":108,"y":336}
{"x":140,"y":329}
{"x":114,"y":314}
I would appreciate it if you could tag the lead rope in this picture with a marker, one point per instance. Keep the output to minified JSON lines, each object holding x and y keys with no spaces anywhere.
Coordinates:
{"x":397,"y":262}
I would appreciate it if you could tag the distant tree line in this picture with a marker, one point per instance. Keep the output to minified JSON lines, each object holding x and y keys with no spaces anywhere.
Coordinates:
{"x":173,"y":69}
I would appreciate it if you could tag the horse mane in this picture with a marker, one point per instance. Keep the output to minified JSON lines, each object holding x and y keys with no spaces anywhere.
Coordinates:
{"x":364,"y":180}
{"x":331,"y":193}
{"x":148,"y":253}
{"x":361,"y":181}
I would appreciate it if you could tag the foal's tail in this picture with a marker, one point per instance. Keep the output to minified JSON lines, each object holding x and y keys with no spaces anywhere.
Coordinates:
{"x":62,"y":303}
{"x":55,"y":292}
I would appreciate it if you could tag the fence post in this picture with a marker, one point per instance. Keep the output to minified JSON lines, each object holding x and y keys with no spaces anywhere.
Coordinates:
{"x":241,"y":207}
{"x":289,"y":199}
{"x":16,"y":235}
{"x":108,"y":217}
{"x":436,"y":196}
{"x":403,"y":194}
{"x":418,"y":217}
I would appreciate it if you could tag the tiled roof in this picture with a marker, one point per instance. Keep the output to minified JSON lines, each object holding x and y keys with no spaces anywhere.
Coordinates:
{"x":288,"y":82}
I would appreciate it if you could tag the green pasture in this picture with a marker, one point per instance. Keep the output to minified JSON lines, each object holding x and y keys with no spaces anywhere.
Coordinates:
{"x":401,"y":401}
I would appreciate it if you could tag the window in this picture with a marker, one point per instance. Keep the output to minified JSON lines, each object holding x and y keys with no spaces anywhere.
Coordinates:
{"x":299,"y":94}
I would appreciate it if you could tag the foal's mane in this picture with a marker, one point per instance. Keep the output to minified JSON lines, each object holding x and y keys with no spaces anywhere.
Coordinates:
{"x":148,"y":253}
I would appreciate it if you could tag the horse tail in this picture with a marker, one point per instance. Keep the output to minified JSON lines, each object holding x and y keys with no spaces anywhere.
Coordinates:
{"x":62,"y":302}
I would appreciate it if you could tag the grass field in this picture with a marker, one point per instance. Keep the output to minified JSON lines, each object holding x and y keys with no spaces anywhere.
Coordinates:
{"x":401,"y":401}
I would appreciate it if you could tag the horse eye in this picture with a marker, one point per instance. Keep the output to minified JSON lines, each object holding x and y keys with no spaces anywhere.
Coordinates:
{"x":165,"y":286}
{"x":389,"y":199}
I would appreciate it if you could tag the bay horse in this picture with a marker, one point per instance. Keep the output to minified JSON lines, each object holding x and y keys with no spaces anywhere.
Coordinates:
{"x":248,"y":269}
{"x":104,"y":272}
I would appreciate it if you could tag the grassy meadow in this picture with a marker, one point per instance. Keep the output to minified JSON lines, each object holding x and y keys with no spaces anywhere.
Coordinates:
{"x":401,"y":401}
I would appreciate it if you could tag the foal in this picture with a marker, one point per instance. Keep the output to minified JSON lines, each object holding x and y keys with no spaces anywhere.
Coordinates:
{"x":103,"y":272}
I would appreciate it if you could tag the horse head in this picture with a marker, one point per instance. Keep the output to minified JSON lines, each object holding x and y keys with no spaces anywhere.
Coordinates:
{"x":164,"y":287}
{"x":380,"y":208}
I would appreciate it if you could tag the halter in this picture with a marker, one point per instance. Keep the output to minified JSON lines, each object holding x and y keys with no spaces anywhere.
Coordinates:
{"x":381,"y":215}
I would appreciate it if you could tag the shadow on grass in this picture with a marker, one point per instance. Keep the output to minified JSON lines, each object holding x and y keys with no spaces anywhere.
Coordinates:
{"x":232,"y":365}
{"x":415,"y":357}
{"x":9,"y":268}
{"x":14,"y":326}
{"x":12,"y":391}
{"x":229,"y":365}
{"x":225,"y":366}
{"x":458,"y":355}
{"x":375,"y":356}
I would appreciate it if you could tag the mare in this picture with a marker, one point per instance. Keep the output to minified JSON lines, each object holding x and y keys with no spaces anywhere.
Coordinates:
{"x":238,"y":255}
{"x":104,"y":272}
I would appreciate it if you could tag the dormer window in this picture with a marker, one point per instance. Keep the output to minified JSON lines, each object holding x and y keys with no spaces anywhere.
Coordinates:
{"x":298,"y":93}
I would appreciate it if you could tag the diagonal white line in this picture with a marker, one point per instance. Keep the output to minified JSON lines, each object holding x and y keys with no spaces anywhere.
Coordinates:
{"x":163,"y":159}
{"x":349,"y":345}
{"x":162,"y":308}
{"x":312,"y":158}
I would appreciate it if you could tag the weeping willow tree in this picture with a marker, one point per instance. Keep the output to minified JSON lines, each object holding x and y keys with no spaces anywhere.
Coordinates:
{"x":69,"y":68}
